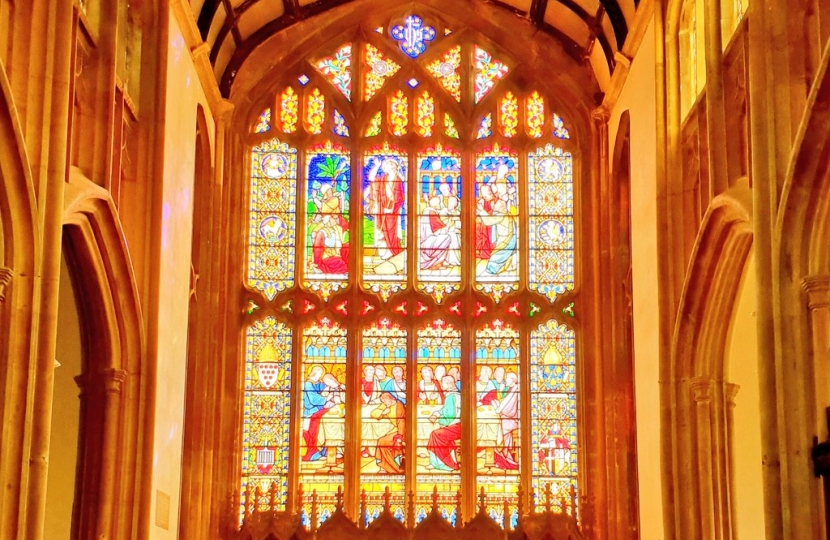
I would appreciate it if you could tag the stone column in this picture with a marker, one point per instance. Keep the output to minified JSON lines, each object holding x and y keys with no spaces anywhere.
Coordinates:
{"x":817,"y":290}
{"x":818,"y":302}
{"x":702,"y":394}
{"x":715,"y":111}
{"x":110,"y":381}
{"x":730,"y":393}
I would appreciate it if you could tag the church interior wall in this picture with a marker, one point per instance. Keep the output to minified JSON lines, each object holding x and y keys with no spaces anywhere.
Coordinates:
{"x":637,"y":97}
{"x":184,"y":94}
{"x":777,"y":380}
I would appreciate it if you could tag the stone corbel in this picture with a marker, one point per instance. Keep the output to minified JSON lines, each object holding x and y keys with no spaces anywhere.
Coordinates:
{"x":6,"y":275}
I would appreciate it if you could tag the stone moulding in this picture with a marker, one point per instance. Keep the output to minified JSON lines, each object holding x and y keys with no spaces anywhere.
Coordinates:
{"x":6,"y":275}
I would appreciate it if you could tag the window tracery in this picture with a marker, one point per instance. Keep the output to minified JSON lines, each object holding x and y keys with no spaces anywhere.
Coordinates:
{"x":409,"y":274}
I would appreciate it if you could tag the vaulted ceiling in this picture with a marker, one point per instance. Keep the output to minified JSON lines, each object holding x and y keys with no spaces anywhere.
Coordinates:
{"x":591,"y":31}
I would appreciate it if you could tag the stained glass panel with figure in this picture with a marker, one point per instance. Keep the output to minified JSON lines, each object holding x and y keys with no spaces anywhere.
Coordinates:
{"x":551,"y":222}
{"x":323,"y":421}
{"x":384,"y":220}
{"x":272,"y":218}
{"x":498,"y":404}
{"x":438,"y":412}
{"x":553,"y":410}
{"x":497,"y":221}
{"x":267,"y":410}
{"x":328,"y":188}
{"x":383,"y":416}
{"x":439,"y":221}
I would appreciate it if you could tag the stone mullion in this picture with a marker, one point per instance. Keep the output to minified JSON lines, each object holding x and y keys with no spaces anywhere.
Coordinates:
{"x":526,"y":414}
{"x":468,"y":462}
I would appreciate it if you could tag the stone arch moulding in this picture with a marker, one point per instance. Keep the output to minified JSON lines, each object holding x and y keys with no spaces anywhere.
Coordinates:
{"x":801,"y":262}
{"x":20,"y":256}
{"x":698,"y":395}
{"x":107,"y":489}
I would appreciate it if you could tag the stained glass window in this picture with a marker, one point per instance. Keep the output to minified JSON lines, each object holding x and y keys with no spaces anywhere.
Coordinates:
{"x":384,"y":220}
{"x":449,"y":126}
{"x":551,"y":223}
{"x":267,"y":411}
{"x":373,"y":129}
{"x":383,"y":406}
{"x":338,"y":69}
{"x":264,"y":123}
{"x":488,"y":70}
{"x":485,"y":127}
{"x":509,"y":115}
{"x":398,"y":113}
{"x":323,"y":430}
{"x":478,"y":179}
{"x":535,"y":115}
{"x":327,"y":192}
{"x":559,"y":129}
{"x":553,"y":410}
{"x":315,"y":112}
{"x":426,"y":115}
{"x":438,"y":404}
{"x":497,"y":225}
{"x":289,"y":109}
{"x":498,"y":402}
{"x":413,"y":35}
{"x":439,"y":221}
{"x":379,"y":68}
{"x":273,"y":204}
{"x":340,"y":126}
{"x":446,"y":68}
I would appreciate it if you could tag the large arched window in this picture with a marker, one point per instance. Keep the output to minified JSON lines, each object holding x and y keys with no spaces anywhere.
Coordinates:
{"x":411,"y":239}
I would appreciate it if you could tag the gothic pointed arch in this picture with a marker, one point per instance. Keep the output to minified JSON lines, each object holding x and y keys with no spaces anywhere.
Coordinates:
{"x":113,"y":397}
{"x":407,"y":244}
{"x":801,"y":260}
{"x":701,"y":396}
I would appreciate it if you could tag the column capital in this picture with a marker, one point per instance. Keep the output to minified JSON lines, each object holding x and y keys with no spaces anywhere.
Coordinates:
{"x":6,"y":275}
{"x":112,"y":379}
{"x":601,"y":115}
{"x":818,"y":291}
{"x":702,"y":389}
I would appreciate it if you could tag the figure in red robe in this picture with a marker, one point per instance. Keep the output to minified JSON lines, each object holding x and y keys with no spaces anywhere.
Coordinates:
{"x":385,"y":198}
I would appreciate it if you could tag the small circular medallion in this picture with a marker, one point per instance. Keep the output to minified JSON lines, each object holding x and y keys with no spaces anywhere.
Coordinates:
{"x":274,"y":165}
{"x":552,"y":233}
{"x":272,"y":229}
{"x":380,"y":68}
{"x":549,"y":169}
